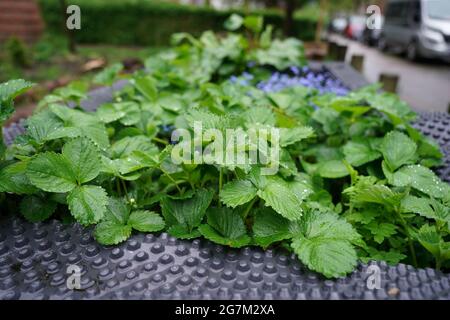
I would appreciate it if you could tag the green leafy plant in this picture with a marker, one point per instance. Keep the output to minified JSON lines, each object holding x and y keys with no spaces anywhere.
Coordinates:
{"x":8,"y":92}
{"x":17,"y":52}
{"x":353,"y":180}
{"x":120,"y":220}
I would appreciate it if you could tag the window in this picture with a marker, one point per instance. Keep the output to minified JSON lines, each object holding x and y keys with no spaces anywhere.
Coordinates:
{"x":397,"y":13}
{"x":416,"y":12}
{"x":393,"y":10}
{"x":438,"y":9}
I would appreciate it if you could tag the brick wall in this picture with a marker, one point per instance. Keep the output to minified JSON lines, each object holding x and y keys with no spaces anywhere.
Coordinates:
{"x":20,"y":18}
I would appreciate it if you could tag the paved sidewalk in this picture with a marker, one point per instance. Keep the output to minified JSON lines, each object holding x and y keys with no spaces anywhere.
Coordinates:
{"x":425,"y":85}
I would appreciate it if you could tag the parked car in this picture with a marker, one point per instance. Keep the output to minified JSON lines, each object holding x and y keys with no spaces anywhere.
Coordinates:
{"x":338,"y":25}
{"x":371,"y":36}
{"x":355,"y":27}
{"x":419,"y":28}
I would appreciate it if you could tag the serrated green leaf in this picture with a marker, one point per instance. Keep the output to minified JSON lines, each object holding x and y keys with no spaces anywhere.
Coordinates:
{"x":333,"y":258}
{"x":418,"y":205}
{"x":79,"y":124}
{"x":270,"y":227}
{"x":445,"y":251}
{"x":381,"y":231}
{"x":377,"y":193}
{"x":117,"y":211}
{"x":422,"y":179}
{"x":87,"y":204}
{"x":110,"y":233}
{"x":108,"y":75}
{"x":323,"y":241}
{"x":429,"y":148}
{"x":391,"y":256}
{"x":132,"y":113}
{"x":325,"y":225}
{"x":146,"y":221}
{"x":110,"y":112}
{"x":84,"y":159}
{"x":13,"y":179}
{"x":226,"y":221}
{"x":186,"y":212}
{"x":398,"y":149}
{"x":281,"y":54}
{"x":13,"y":88}
{"x":226,"y":227}
{"x":238,"y":192}
{"x":171,"y":102}
{"x":211,"y":234}
{"x":36,"y":209}
{"x":328,"y":118}
{"x":259,"y":115}
{"x":428,"y":208}
{"x":430,"y":239}
{"x":281,"y":99}
{"x":333,"y":169}
{"x":51,"y":172}
{"x":282,"y":197}
{"x":146,"y":85}
{"x":360,"y":152}
{"x":128,"y":145}
{"x":294,"y":135}
{"x":182,"y":232}
{"x":349,"y":106}
{"x":41,"y":125}
{"x":73,"y":117}
{"x":365,"y":216}
{"x":95,"y":132}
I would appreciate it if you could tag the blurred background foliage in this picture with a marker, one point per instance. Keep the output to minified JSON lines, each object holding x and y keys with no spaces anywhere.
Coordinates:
{"x":127,"y":31}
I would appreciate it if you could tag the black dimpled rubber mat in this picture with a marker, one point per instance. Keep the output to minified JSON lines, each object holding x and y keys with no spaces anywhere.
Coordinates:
{"x":36,"y":262}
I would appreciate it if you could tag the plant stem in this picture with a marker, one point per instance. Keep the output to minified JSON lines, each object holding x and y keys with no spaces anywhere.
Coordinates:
{"x":110,"y":185}
{"x":118,"y":187}
{"x":171,"y":179}
{"x":164,"y":142}
{"x":413,"y":251}
{"x":247,"y":210}
{"x":220,"y":183}
{"x":125,"y":190}
{"x":190,"y":181}
{"x":438,"y":263}
{"x":410,"y":241}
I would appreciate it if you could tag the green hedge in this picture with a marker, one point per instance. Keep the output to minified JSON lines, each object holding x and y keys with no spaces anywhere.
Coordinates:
{"x":147,"y":22}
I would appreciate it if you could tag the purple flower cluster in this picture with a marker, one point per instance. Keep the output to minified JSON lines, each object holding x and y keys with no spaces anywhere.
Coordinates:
{"x":243,"y":80}
{"x":323,"y":81}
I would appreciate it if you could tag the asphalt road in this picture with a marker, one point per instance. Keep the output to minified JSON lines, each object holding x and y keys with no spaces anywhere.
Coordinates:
{"x":424,"y":85}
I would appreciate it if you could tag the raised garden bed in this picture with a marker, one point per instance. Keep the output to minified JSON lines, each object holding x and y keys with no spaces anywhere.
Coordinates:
{"x":332,"y":176}
{"x":33,"y":257}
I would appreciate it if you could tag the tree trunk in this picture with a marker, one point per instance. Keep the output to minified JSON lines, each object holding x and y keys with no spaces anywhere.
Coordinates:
{"x":289,"y":18}
{"x":69,"y":33}
{"x":246,"y":5}
{"x":319,"y":27}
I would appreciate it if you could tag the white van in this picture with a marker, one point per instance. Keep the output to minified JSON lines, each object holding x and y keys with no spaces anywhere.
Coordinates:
{"x":419,"y":28}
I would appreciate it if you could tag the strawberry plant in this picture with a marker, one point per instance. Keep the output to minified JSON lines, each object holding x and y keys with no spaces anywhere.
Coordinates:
{"x":351,"y":180}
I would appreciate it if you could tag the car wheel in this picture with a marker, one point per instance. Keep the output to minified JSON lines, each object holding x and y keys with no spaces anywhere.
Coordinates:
{"x":412,"y":52}
{"x":374,"y":43}
{"x":382,"y":44}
